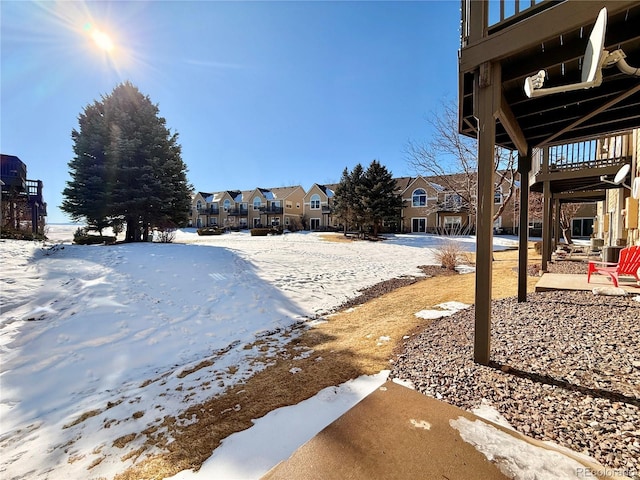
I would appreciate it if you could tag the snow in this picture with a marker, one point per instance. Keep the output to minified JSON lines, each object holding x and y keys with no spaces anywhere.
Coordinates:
{"x":514,"y":457}
{"x":253,"y":452}
{"x":98,"y":342}
{"x":445,"y":309}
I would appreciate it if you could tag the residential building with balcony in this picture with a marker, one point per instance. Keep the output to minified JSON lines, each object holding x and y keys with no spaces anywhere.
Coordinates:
{"x":446,"y":204}
{"x":280,"y":206}
{"x":23,"y":206}
{"x":319,"y":208}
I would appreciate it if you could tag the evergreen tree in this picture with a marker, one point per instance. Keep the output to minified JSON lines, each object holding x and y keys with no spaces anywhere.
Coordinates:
{"x":377,"y":193}
{"x":346,"y":202}
{"x":86,"y":195}
{"x":140,"y":170}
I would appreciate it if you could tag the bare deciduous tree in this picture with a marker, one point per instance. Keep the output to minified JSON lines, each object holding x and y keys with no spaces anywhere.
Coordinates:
{"x":451,"y":159}
{"x":567,"y":212}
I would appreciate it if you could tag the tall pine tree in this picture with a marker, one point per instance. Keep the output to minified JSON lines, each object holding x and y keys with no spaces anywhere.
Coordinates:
{"x":348,"y":207}
{"x":86,"y":197}
{"x":127,"y":166}
{"x":377,"y":192}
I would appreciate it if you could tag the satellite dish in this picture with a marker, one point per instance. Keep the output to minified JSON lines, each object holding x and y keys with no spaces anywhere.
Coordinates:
{"x":594,"y":58}
{"x":622,"y":174}
{"x":595,"y":48}
{"x":635,"y":191}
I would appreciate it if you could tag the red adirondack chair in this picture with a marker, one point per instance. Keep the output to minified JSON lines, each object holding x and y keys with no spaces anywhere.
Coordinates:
{"x":629,"y":264}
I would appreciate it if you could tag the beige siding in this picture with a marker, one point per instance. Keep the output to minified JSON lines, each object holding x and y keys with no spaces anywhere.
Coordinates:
{"x":319,"y":215}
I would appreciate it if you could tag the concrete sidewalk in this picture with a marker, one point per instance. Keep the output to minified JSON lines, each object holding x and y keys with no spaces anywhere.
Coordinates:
{"x":563,"y":281}
{"x":398,"y":433}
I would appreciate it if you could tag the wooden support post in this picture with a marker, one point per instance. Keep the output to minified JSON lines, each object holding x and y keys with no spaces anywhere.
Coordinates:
{"x":546,"y":224}
{"x":524,"y":166}
{"x":487,"y":96}
{"x":556,"y":224}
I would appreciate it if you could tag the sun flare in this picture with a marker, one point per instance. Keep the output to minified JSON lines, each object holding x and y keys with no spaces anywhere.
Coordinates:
{"x":102,"y":40}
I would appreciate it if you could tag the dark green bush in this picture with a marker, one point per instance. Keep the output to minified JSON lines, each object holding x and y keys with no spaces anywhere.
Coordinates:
{"x":210,"y":231}
{"x":81,"y":237}
{"x":20,"y":234}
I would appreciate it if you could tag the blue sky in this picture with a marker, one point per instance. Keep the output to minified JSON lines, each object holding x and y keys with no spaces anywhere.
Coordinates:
{"x":262,"y":94}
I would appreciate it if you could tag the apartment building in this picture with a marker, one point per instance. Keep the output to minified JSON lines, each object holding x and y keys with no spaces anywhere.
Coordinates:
{"x":430,"y":205}
{"x":447,"y":204}
{"x":281,"y":206}
{"x":237,"y":209}
{"x":319,"y":207}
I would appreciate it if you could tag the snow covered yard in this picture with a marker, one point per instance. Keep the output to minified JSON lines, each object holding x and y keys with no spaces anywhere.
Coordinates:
{"x":100,"y":344}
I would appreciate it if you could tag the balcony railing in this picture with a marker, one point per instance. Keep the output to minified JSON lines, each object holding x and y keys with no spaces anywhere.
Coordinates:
{"x":603,"y":152}
{"x":208,"y":211}
{"x":271,"y":209}
{"x":452,"y":206}
{"x":500,"y":14}
{"x":234,"y":212}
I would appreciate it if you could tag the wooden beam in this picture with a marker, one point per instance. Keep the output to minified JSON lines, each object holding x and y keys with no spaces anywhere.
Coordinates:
{"x":511,"y":125}
{"x":590,"y":115}
{"x":578,"y":174}
{"x":554,"y":21}
{"x":487,"y":101}
{"x":594,"y":194}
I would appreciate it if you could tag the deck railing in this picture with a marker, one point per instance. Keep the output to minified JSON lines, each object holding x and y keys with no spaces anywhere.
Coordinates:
{"x":500,"y":14}
{"x":597,"y":153}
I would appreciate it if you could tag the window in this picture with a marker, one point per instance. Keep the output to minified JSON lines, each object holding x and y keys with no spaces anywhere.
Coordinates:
{"x":213,"y":221}
{"x":256,"y":222}
{"x":257,"y":203}
{"x":419,"y":198}
{"x":315,"y":201}
{"x":452,"y":222}
{"x":286,"y":221}
{"x":314,"y":223}
{"x":497,"y":196}
{"x":418,"y":225}
{"x":581,"y":227}
{"x":453,"y":200}
{"x":199,"y":205}
{"x":298,"y":205}
{"x":275,"y":221}
{"x":226,"y":205}
{"x":288,"y":204}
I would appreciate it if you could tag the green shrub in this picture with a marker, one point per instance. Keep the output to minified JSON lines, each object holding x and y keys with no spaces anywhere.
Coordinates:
{"x":81,"y":237}
{"x":260,"y":232}
{"x":210,"y":231}
{"x":20,"y":234}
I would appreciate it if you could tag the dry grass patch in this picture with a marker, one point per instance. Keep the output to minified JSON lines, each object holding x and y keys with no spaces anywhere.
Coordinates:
{"x":351,"y":343}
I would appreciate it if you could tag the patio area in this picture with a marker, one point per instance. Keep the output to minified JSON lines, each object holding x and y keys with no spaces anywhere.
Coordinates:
{"x":569,"y":272}
{"x":568,"y":281}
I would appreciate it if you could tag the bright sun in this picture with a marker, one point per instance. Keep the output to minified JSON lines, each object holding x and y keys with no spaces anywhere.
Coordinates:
{"x":102,"y":40}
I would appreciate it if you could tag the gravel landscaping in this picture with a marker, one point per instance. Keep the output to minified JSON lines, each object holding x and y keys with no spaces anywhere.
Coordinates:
{"x":565,"y":368}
